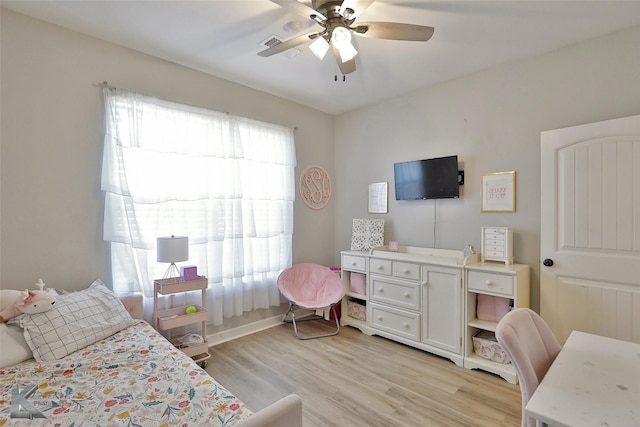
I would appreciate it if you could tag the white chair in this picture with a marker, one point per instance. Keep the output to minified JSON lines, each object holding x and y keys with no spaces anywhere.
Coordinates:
{"x":311,"y":286}
{"x":531,"y":347}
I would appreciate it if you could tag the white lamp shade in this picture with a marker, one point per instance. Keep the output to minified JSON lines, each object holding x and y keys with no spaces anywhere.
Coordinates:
{"x":341,"y":39}
{"x":319,"y":47}
{"x":347,"y":52}
{"x":173,"y":248}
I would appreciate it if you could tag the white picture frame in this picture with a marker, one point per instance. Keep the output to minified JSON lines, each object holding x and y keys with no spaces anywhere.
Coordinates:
{"x":498,"y":192}
{"x":378,"y":193}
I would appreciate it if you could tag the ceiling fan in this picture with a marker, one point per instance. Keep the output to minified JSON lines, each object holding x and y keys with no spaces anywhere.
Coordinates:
{"x":338,"y":18}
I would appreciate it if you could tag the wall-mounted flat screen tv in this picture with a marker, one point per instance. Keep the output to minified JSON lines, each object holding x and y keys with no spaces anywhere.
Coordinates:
{"x":427,"y":179}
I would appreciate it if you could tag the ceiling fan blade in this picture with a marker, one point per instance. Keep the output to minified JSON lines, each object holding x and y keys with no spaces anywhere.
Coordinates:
{"x":393,"y":31}
{"x":300,"y":8}
{"x":286,"y":45}
{"x":358,"y":6}
{"x":345,"y":67}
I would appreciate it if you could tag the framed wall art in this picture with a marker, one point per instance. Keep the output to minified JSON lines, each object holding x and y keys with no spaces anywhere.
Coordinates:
{"x":498,"y":192}
{"x":378,"y":197}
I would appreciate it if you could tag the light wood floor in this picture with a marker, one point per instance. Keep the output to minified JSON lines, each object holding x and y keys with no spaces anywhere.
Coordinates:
{"x":353,"y":379}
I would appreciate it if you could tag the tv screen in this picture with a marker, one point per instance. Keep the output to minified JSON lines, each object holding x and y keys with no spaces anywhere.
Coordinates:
{"x":427,"y":179}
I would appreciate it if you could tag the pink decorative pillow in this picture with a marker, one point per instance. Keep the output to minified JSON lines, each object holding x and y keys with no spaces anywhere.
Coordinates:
{"x":491,"y":308}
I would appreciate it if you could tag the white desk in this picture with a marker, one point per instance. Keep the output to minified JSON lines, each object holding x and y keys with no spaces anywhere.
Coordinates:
{"x":594,"y":381}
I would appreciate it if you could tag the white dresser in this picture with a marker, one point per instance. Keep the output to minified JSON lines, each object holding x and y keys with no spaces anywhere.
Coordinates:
{"x":414,"y":296}
{"x":426,"y":298}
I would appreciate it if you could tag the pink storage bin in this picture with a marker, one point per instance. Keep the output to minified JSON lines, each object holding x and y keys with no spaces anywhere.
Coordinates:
{"x":358,"y":283}
{"x":491,"y":308}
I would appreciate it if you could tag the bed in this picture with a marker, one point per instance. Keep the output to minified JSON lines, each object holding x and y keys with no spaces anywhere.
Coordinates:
{"x":127,"y":375}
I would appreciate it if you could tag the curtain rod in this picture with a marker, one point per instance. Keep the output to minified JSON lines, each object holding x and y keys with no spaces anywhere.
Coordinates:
{"x":108,"y":86}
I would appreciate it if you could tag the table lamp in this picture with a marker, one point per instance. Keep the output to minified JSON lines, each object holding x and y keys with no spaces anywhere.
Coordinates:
{"x":172,"y":249}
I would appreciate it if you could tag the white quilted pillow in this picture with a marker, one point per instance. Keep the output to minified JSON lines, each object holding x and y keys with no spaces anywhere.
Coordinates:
{"x":77,"y":320}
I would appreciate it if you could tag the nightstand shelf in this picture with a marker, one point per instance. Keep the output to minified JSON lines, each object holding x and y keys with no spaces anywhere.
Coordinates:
{"x":175,"y":317}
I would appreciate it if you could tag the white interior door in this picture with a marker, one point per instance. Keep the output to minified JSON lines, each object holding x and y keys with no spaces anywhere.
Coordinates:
{"x":590,"y":229}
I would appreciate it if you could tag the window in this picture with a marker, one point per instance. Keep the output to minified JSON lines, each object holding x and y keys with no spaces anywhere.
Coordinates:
{"x":225,"y":182}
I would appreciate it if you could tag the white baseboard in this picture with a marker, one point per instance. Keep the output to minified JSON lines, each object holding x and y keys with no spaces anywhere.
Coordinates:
{"x":250,"y":328}
{"x":244,"y":330}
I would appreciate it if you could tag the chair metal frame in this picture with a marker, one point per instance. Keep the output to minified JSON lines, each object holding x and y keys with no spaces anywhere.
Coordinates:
{"x":304,"y":319}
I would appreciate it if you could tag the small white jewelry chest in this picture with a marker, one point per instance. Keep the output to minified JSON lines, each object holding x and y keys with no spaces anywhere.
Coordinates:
{"x":497,"y":244}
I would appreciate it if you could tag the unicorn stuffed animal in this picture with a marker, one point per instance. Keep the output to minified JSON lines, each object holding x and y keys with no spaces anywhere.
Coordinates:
{"x":13,"y":303}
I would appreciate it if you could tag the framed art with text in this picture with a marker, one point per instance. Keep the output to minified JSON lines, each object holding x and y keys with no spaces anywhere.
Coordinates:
{"x":498,"y":192}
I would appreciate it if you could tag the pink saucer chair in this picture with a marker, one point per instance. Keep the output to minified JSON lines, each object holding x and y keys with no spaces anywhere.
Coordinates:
{"x":313,"y":287}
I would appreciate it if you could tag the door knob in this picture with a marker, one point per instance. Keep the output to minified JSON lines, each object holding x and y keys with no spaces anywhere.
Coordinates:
{"x":547,"y":262}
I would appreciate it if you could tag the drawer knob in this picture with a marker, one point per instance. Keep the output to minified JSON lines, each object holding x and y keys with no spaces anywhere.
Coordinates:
{"x":380,"y":267}
{"x":381,"y":290}
{"x":379,"y":317}
{"x":489,"y":283}
{"x":407,"y":294}
{"x":354,"y":263}
{"x":407,"y":271}
{"x":406,"y":325}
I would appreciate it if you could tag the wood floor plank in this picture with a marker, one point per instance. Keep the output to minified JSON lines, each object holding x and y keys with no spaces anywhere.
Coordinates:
{"x":353,"y":379}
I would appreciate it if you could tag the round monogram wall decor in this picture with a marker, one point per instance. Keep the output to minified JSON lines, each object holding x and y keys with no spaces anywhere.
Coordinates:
{"x":315,"y":187}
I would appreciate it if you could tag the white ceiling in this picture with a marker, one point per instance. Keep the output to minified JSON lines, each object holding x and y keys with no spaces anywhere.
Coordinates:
{"x":223,"y":38}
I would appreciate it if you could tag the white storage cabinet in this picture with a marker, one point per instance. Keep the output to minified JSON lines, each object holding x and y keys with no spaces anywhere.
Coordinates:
{"x":501,"y":280}
{"x":352,"y":263}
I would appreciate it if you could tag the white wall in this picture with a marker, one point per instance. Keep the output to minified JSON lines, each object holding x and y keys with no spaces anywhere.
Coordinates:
{"x":52,"y":206}
{"x":492,"y":120}
{"x":50,"y":126}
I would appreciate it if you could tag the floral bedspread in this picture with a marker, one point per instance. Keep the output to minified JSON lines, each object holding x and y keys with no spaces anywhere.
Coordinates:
{"x":133,"y":378}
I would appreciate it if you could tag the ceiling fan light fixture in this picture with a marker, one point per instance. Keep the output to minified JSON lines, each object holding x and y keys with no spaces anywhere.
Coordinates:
{"x":340,"y":36}
{"x":341,"y":39}
{"x":319,"y":47}
{"x":347,"y":52}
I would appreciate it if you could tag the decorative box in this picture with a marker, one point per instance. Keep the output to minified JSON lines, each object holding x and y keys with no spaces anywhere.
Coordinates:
{"x":189,"y":272}
{"x":356,"y":310}
{"x":486,"y":346}
{"x":358,"y":283}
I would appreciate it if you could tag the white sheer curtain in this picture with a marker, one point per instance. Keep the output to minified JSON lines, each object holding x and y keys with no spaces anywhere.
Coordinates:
{"x":225,"y":182}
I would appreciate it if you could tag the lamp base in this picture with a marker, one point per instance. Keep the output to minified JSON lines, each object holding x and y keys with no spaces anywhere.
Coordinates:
{"x":172,"y":272}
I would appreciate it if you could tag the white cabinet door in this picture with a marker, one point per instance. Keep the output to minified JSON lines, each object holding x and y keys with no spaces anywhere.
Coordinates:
{"x":442,"y":307}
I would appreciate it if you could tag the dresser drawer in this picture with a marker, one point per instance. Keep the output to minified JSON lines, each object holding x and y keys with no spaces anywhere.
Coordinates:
{"x":398,"y":322}
{"x":406,"y":270}
{"x":490,"y":282}
{"x":497,"y":233}
{"x":354,"y":263}
{"x":494,"y":253}
{"x":494,"y":245}
{"x":380,"y":266}
{"x":396,"y":293}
